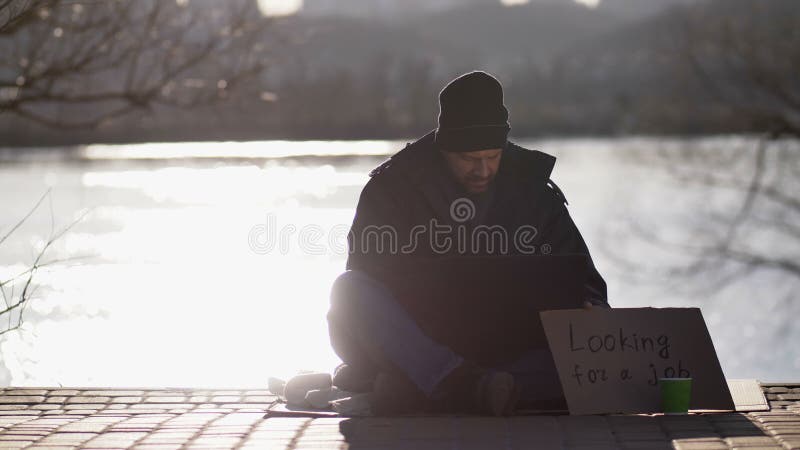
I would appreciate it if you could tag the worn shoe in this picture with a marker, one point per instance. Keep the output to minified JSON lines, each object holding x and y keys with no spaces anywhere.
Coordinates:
{"x":349,"y":378}
{"x":472,"y":389}
{"x":496,"y":394}
{"x":394,"y":394}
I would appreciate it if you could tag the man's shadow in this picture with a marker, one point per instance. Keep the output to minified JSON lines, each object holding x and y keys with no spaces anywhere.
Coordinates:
{"x":543,"y":431}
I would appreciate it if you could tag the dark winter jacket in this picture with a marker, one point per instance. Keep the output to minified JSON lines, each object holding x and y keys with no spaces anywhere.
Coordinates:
{"x":406,"y":198}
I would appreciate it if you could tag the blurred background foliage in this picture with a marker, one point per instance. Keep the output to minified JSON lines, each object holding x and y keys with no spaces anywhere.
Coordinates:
{"x":148,"y":70}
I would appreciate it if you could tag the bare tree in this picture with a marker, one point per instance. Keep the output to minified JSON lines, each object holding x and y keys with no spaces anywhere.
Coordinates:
{"x":77,"y":64}
{"x":744,"y":217}
{"x":746,"y":55}
{"x":18,"y":290}
{"x":12,"y":12}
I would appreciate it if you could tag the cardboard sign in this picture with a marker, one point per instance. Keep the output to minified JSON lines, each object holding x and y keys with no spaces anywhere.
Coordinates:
{"x":609,"y":360}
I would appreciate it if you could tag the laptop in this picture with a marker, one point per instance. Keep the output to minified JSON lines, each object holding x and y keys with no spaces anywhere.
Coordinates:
{"x":487,"y":308}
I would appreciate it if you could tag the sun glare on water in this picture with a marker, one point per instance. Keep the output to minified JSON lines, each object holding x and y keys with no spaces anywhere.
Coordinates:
{"x":279,"y":7}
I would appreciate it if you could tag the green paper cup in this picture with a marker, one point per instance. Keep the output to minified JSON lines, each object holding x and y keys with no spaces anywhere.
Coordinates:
{"x":675,"y":395}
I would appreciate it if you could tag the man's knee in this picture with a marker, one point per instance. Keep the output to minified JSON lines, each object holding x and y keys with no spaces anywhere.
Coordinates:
{"x":343,"y":289}
{"x":351,"y":288}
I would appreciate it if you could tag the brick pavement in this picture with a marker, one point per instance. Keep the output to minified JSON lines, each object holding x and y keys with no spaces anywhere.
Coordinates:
{"x":50,"y":418}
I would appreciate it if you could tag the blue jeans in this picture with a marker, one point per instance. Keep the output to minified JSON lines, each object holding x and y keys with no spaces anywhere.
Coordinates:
{"x":370,"y":331}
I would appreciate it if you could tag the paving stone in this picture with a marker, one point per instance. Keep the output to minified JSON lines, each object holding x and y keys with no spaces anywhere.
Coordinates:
{"x":212,"y":430}
{"x":258,"y":392}
{"x":241,"y":406}
{"x":165,"y":393}
{"x":783,"y":430}
{"x":162,"y":405}
{"x":273,"y":435}
{"x":253,"y":442}
{"x":19,"y":437}
{"x":154,"y":418}
{"x":125,"y":399}
{"x":88,"y":427}
{"x":25,"y":399}
{"x":13,"y":407}
{"x":595,"y":446}
{"x":686,"y":423}
{"x":213,"y":410}
{"x":157,"y":447}
{"x":727,"y":417}
{"x":693,"y":434}
{"x":88,"y":399}
{"x":646,"y":445}
{"x":119,"y":437}
{"x":151,"y":439}
{"x":63,"y":392}
{"x":14,"y":420}
{"x":744,"y":421}
{"x":759,"y":447}
{"x":216,"y":441}
{"x":50,"y":447}
{"x":49,"y":421}
{"x":81,"y":412}
{"x":780,"y":404}
{"x":225,"y":398}
{"x":770,"y":413}
{"x":259,"y":398}
{"x":166,"y":399}
{"x":247,"y":419}
{"x":794,"y":418}
{"x":640,"y":435}
{"x":113,"y":393}
{"x":60,"y":438}
{"x":172,"y":434}
{"x":24,"y":432}
{"x":22,"y":412}
{"x":45,"y":406}
{"x":220,"y":424}
{"x":118,"y":406}
{"x":585,"y":422}
{"x":115,"y":411}
{"x":699,"y":444}
{"x":750,"y":441}
{"x":15,"y":444}
{"x":777,"y":389}
{"x":25,"y":392}
{"x":83,"y":406}
{"x":790,"y":443}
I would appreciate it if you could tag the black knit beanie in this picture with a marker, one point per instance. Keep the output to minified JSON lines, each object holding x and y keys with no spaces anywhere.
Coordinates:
{"x":472,"y":115}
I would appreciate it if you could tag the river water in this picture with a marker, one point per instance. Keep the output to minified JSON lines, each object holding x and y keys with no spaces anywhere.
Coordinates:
{"x":161,"y":283}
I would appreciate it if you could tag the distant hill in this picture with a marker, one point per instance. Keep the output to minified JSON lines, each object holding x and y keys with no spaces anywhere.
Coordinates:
{"x":567,"y":69}
{"x":385,"y":10}
{"x":639,"y":9}
{"x":393,"y":10}
{"x":486,"y":35}
{"x":501,"y":35}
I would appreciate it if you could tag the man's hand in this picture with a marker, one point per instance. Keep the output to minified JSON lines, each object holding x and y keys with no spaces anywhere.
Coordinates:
{"x":587,"y":304}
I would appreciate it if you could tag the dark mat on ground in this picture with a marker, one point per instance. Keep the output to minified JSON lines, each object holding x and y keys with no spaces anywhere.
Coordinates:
{"x":281,"y":409}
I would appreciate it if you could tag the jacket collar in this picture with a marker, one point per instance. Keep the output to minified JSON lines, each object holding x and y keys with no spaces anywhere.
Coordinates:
{"x":518,"y":164}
